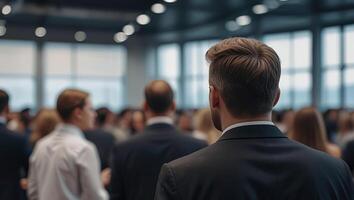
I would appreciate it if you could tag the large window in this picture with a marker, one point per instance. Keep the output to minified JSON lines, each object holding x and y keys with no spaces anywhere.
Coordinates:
{"x":349,"y":66}
{"x":295,"y":52}
{"x":196,"y":73}
{"x":330,"y":94}
{"x":338,"y":67}
{"x":17,"y":72}
{"x":98,"y":69}
{"x":168,"y":59}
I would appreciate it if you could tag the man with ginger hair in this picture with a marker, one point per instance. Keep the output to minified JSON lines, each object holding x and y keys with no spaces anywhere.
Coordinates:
{"x":253,"y":159}
{"x":64,"y":165}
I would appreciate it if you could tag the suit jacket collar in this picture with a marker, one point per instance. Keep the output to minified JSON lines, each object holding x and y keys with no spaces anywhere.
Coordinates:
{"x":253,"y":132}
{"x":159,"y":126}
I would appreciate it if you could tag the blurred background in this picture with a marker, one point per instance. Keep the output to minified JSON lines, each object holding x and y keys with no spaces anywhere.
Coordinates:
{"x":112,"y":48}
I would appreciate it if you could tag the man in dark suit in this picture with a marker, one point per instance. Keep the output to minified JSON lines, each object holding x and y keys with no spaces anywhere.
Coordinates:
{"x":348,"y":155}
{"x":252,"y":159}
{"x":102,"y":139}
{"x":14,"y":153}
{"x":137,"y":162}
{"x":104,"y":143}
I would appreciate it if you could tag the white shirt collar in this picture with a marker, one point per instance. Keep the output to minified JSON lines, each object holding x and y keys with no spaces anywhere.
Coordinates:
{"x":69,"y":128}
{"x":159,"y":120}
{"x":247,"y":124}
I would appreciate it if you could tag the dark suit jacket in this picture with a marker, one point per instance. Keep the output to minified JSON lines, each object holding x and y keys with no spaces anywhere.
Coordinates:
{"x":104,"y":143}
{"x":137,"y":162}
{"x":348,"y":155}
{"x":255,"y":162}
{"x":14,"y":153}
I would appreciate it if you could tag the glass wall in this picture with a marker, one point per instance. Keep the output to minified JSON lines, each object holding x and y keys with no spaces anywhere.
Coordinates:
{"x":295,"y":52}
{"x":196,"y":74}
{"x":338,"y":67}
{"x":97,"y":69}
{"x":17,"y":69}
{"x":349,"y":66}
{"x":331,"y":67}
{"x":168,"y":68}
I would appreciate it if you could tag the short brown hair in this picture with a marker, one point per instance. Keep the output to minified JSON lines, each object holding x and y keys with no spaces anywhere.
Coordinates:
{"x":4,"y":100}
{"x":247,"y":73}
{"x":70,"y":99}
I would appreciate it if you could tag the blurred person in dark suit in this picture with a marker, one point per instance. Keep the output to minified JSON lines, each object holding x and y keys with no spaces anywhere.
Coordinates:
{"x":345,"y":132}
{"x":138,"y":122}
{"x":136,"y":163}
{"x":331,"y":117}
{"x":14,"y":153}
{"x":185,"y":121}
{"x":348,"y":155}
{"x":253,"y":159}
{"x":100,"y":137}
{"x":105,"y":119}
{"x":122,"y":125}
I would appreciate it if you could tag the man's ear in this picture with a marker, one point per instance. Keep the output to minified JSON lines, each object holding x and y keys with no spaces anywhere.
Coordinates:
{"x":173,"y":106}
{"x":277,"y":97}
{"x":77,"y":113}
{"x":214,"y":97}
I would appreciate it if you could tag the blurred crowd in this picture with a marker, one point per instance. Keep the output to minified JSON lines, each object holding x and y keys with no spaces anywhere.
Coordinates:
{"x":121,"y":125}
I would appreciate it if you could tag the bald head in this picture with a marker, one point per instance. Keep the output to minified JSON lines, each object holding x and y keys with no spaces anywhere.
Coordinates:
{"x":159,"y":96}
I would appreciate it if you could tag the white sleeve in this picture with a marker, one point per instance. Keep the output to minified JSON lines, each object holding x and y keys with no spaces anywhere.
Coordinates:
{"x":32,"y":190}
{"x":89,"y":175}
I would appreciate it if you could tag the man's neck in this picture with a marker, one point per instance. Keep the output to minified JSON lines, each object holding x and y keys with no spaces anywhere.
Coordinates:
{"x":150,"y":115}
{"x":235,"y":120}
{"x":71,"y":123}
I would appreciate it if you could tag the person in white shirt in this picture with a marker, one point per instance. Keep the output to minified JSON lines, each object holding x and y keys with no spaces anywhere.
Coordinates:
{"x":64,"y":165}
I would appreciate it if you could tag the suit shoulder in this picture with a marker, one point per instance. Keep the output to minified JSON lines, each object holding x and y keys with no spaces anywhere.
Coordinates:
{"x":192,"y":140}
{"x":193,"y":160}
{"x":12,"y":136}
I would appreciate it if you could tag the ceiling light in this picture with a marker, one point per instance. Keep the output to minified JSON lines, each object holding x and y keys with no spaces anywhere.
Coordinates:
{"x":2,"y":30}
{"x":243,"y":20}
{"x":143,"y":19}
{"x":271,"y":4}
{"x":231,"y":25}
{"x":80,"y":36}
{"x":6,"y":10}
{"x":158,"y":8}
{"x":40,"y":31}
{"x":170,"y":1}
{"x":120,"y":37}
{"x":259,"y":9}
{"x":129,"y":29}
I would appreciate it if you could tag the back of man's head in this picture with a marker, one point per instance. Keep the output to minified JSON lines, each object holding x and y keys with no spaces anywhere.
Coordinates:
{"x":247,"y":73}
{"x":159,"y":96}
{"x":102,"y":115}
{"x":68,"y":101}
{"x":4,"y":100}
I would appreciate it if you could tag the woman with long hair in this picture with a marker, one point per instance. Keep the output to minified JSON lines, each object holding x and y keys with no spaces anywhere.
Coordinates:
{"x":43,"y":124}
{"x":309,"y":129}
{"x":204,"y":128}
